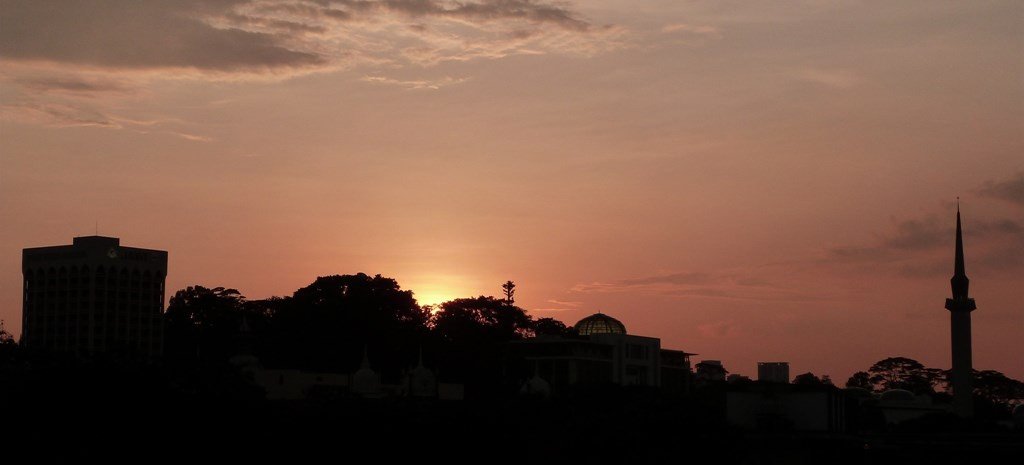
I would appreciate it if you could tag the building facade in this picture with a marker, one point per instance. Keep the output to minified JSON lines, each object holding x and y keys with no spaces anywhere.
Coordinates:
{"x":773,"y":372}
{"x":94,"y":296}
{"x":603,"y":353}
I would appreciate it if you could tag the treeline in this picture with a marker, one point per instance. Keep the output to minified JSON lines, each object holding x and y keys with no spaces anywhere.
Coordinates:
{"x":995,"y":394}
{"x":328,"y":325}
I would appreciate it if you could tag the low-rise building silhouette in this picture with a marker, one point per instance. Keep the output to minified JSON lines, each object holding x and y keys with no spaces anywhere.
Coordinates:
{"x":773,"y":372}
{"x":602,"y":353}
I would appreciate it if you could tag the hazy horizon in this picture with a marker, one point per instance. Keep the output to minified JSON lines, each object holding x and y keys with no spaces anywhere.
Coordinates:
{"x":746,"y":181}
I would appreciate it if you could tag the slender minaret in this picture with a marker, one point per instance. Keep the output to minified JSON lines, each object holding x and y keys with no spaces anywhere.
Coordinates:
{"x":960,"y":308}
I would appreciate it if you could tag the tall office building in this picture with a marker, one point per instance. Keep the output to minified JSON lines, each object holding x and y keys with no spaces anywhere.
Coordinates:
{"x":94,"y":296}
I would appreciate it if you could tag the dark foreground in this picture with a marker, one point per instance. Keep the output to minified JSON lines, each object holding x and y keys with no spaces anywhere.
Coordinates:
{"x":88,"y":419}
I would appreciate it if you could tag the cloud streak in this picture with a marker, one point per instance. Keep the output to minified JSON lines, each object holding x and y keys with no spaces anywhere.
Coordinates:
{"x":416,"y":84}
{"x":74,"y":86}
{"x":125,"y":34}
{"x":738,"y":285}
{"x":64,"y":115}
{"x":60,"y":57}
{"x":1010,"y":190}
{"x":834,"y":78}
{"x":281,"y":36}
{"x":922,"y":247}
{"x":911,"y":237}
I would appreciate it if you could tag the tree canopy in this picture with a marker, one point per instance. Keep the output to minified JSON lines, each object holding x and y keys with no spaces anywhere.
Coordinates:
{"x":481,"y":319}
{"x":904,"y":373}
{"x":810,"y":379}
{"x":860,"y":379}
{"x":200,"y":323}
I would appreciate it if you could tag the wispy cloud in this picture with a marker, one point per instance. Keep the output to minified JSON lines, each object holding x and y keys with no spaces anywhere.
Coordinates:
{"x":415,"y":84}
{"x":57,"y":56}
{"x":1010,"y":190}
{"x":125,"y":34}
{"x":564,"y":303}
{"x":75,"y":85}
{"x":62,"y":115}
{"x":910,"y":237}
{"x":558,"y":306}
{"x":718,"y":329}
{"x":283,"y":36}
{"x":834,"y":78}
{"x":741,"y":285}
{"x":921,"y":247}
{"x":56,"y":115}
{"x":683,"y":28}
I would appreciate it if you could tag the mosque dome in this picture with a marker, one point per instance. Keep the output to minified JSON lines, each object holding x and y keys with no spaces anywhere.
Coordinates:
{"x":898,"y":395}
{"x":600,"y":323}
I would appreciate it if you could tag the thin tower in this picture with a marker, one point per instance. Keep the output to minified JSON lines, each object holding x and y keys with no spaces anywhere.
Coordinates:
{"x":960,"y":308}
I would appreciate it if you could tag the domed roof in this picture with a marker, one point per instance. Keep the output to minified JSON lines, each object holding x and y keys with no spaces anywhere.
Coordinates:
{"x":600,"y":323}
{"x":898,"y":395}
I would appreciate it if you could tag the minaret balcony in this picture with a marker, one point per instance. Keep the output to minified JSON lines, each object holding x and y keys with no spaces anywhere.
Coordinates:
{"x":960,"y":305}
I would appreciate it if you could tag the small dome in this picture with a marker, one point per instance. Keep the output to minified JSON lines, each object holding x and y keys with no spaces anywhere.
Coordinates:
{"x":898,"y":395}
{"x":600,"y":323}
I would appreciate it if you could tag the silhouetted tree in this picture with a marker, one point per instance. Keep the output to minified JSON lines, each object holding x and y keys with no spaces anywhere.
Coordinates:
{"x":551,"y":327}
{"x":904,"y":373}
{"x":998,"y":388}
{"x":860,"y":379}
{"x":509,"y":288}
{"x":8,"y":346}
{"x":326,"y":325}
{"x":710,"y":371}
{"x":473,"y":332}
{"x":736,"y":378}
{"x":481,"y":319}
{"x":809,"y":379}
{"x":200,"y":323}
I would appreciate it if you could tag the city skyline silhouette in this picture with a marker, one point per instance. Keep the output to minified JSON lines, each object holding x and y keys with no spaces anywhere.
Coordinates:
{"x":349,"y":359}
{"x":751,"y":182}
{"x":108,"y":246}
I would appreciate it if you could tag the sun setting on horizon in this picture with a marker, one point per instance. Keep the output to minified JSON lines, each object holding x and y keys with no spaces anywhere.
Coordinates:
{"x":740,"y":179}
{"x":524,"y":231}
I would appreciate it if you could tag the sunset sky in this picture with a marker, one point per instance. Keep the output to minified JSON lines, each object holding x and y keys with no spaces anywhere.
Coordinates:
{"x":750,"y":181}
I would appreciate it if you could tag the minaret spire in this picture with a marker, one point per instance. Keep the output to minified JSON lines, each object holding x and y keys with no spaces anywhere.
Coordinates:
{"x":960,"y":308}
{"x":959,"y":282}
{"x":959,"y":267}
